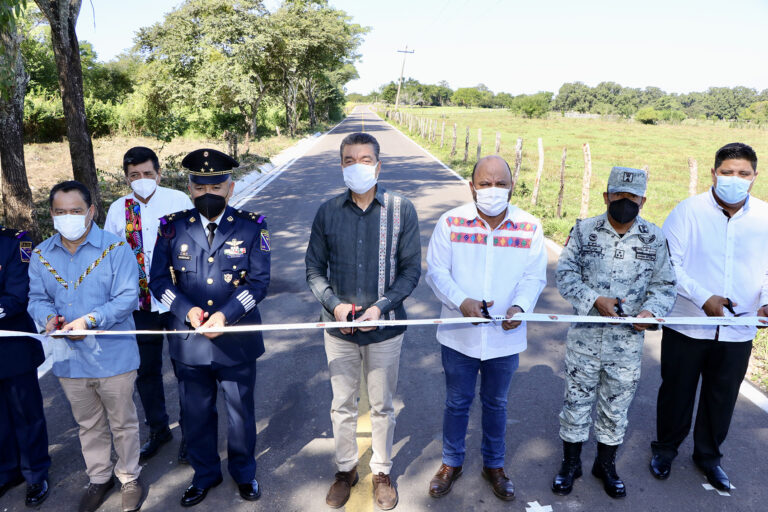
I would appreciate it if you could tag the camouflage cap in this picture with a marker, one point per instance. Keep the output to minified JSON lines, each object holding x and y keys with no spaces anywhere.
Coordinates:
{"x":626,"y":179}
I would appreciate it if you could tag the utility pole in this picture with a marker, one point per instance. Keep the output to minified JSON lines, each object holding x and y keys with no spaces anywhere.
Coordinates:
{"x":402,"y":69}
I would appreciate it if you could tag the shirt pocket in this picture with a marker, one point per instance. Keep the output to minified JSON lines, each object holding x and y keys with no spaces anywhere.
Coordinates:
{"x":235,"y":271}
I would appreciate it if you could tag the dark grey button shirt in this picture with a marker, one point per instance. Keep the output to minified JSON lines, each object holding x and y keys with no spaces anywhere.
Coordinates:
{"x":345,"y":259}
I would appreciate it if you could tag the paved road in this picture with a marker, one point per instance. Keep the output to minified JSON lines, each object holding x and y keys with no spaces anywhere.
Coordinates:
{"x":292,"y":406}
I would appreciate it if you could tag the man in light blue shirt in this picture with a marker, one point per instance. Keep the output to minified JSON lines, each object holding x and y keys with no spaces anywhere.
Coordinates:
{"x":85,"y":278}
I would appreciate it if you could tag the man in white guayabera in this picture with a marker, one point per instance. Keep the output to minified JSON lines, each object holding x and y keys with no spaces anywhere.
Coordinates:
{"x":486,"y":257}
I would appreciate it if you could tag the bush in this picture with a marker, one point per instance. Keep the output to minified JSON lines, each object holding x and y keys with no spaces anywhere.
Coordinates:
{"x":673,"y":116}
{"x":102,"y":117}
{"x":43,"y":118}
{"x":647,"y":115}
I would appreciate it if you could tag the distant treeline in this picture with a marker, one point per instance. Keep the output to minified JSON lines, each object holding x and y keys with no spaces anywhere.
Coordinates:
{"x":647,"y":105}
{"x":208,"y":67}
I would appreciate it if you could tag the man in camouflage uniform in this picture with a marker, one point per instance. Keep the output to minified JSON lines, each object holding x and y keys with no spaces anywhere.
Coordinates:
{"x":615,"y":264}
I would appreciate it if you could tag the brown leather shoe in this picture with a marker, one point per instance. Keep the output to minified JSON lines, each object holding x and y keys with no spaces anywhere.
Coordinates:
{"x":441,"y":483}
{"x":384,"y":492}
{"x":338,"y":494}
{"x":502,"y":486}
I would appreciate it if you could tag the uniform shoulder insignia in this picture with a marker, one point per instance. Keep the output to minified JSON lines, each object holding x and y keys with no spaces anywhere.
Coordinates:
{"x":254,"y":217}
{"x":173,"y":216}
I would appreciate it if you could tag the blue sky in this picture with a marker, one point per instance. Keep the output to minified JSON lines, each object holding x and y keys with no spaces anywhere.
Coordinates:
{"x":523,"y":47}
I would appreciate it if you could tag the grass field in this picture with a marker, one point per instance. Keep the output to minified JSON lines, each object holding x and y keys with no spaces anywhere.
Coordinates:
{"x":665,"y":149}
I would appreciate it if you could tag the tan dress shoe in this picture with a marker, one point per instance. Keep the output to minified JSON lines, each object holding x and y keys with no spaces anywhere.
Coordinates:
{"x":340,"y":489}
{"x":441,"y":483}
{"x":384,"y":492}
{"x":501,"y":484}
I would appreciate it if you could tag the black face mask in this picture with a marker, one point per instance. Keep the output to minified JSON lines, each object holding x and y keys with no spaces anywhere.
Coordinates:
{"x":623,"y":210}
{"x":210,"y":205}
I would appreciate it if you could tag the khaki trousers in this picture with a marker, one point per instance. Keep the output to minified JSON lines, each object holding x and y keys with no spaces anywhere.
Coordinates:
{"x":380,"y":364}
{"x":100,"y":406}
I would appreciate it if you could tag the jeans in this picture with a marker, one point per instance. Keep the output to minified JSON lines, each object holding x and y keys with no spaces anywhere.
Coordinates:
{"x":460,"y":378}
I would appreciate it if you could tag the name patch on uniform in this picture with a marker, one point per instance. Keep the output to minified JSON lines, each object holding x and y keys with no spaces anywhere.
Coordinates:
{"x":641,"y":253}
{"x":183,"y":254}
{"x":591,"y":248}
{"x":264,"y":240}
{"x":25,"y":251}
{"x":234,"y":250}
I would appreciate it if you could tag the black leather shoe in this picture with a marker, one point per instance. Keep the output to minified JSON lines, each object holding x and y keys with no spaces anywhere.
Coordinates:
{"x":7,"y":486}
{"x":660,"y":467}
{"x":716,"y":478}
{"x":250,"y":491}
{"x":194,"y":495}
{"x":36,"y":494}
{"x":183,"y":452}
{"x":153,"y":444}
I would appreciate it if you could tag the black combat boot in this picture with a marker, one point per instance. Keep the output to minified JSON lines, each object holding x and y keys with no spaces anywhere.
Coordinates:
{"x":569,"y":471}
{"x":605,"y":469}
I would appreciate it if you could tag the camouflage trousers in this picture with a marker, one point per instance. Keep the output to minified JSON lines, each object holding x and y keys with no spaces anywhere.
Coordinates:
{"x":610,"y":380}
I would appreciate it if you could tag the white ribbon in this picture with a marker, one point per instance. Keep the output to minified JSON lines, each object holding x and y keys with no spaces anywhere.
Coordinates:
{"x":527,"y":317}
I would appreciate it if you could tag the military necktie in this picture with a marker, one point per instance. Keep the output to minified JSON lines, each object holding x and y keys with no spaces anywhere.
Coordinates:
{"x":211,"y":231}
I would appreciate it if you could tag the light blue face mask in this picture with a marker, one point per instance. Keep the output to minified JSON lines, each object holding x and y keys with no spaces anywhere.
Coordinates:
{"x":732,"y":189}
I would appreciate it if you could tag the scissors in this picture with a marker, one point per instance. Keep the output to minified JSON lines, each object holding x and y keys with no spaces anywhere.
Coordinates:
{"x":729,"y":307}
{"x":619,"y":309}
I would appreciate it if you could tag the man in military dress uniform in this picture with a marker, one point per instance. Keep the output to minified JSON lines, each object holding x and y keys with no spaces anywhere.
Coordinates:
{"x":211,"y":268}
{"x":615,"y":264}
{"x":23,"y":435}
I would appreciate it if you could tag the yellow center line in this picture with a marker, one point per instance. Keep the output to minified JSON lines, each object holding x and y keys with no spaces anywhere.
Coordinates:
{"x":361,"y":498}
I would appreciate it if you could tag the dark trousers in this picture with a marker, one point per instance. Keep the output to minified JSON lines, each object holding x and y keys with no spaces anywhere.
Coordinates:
{"x":23,"y":434}
{"x":198,"y":390}
{"x":721,"y":365}
{"x":149,"y":378}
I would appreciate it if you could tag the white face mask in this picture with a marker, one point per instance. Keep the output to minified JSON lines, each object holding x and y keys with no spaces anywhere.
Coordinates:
{"x":732,"y":189}
{"x":360,"y":178}
{"x":70,"y":227}
{"x":144,"y":187}
{"x":492,"y":200}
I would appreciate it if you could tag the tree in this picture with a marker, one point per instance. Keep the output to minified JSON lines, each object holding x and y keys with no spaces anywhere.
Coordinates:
{"x":18,"y":208}
{"x":533,"y":105}
{"x":574,"y":97}
{"x":467,"y":97}
{"x":62,"y":18}
{"x":647,"y":115}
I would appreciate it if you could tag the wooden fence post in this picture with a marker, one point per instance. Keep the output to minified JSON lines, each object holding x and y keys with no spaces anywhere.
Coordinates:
{"x":518,"y":162}
{"x":498,"y":142}
{"x":479,"y":142}
{"x":585,"y":184}
{"x":453,"y":148}
{"x":562,"y":186}
{"x":693,"y":183}
{"x":466,"y":146}
{"x":442,"y":135}
{"x":434,"y":127}
{"x":535,"y":195}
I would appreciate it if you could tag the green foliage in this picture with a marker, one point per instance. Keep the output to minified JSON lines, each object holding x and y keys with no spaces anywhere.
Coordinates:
{"x":533,"y":105}
{"x":478,"y":96}
{"x":647,"y":115}
{"x":756,"y":112}
{"x":43,"y":118}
